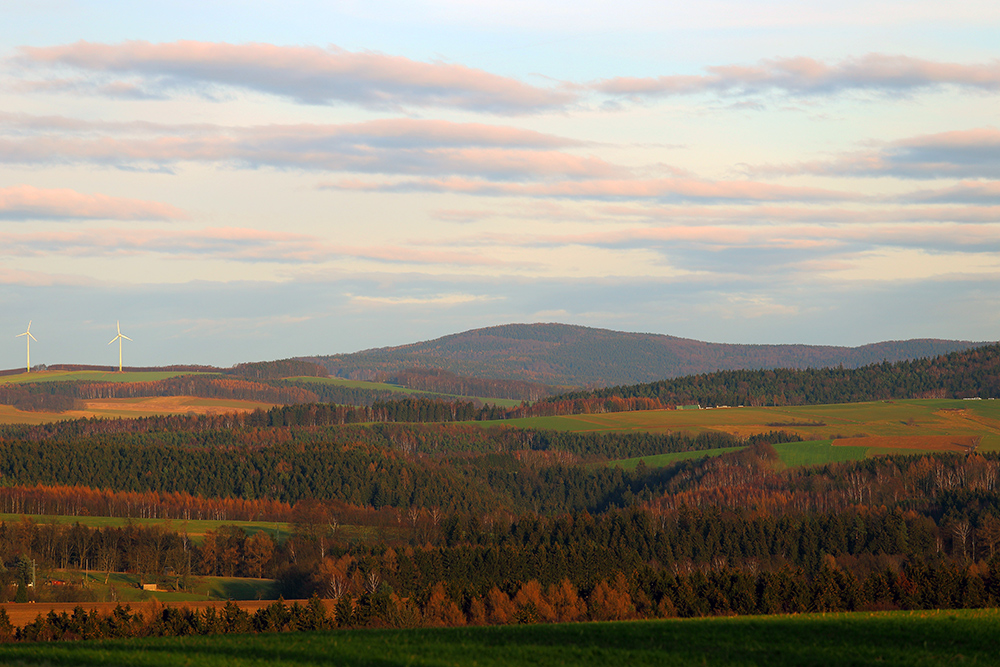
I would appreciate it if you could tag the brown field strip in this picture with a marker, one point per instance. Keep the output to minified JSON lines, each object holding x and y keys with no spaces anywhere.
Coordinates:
{"x":23,"y":613}
{"x":930,"y":443}
{"x":134,"y":407}
{"x":173,"y":405}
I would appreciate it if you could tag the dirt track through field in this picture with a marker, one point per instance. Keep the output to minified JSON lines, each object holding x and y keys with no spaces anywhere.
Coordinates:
{"x":21,"y":614}
{"x":930,"y":443}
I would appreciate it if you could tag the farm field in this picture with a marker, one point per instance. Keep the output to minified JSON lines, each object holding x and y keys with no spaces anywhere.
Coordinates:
{"x":95,"y":376}
{"x":24,"y":613}
{"x":134,"y":407}
{"x":194,"y":528}
{"x":382,"y":386}
{"x":890,"y":638}
{"x":791,"y":454}
{"x":909,"y":418}
{"x":124,"y":588}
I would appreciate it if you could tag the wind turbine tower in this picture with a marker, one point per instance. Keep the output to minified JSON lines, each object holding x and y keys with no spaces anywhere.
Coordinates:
{"x":119,"y":338}
{"x":27,"y":339}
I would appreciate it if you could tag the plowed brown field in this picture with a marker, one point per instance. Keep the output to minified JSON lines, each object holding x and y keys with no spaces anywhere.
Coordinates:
{"x":930,"y":443}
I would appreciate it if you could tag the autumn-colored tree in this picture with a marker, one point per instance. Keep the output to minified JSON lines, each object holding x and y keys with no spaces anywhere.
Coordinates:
{"x":499,"y":609}
{"x":611,"y":602}
{"x":531,"y":603}
{"x":441,"y":610}
{"x":566,"y":602}
{"x":259,"y":550}
{"x":209,"y":553}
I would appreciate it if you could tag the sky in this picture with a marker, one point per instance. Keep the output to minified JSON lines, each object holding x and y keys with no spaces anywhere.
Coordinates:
{"x":243,"y":181}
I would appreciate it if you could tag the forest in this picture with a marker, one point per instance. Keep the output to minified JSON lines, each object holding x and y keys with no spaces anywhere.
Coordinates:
{"x":415,"y":513}
{"x":968,"y":373}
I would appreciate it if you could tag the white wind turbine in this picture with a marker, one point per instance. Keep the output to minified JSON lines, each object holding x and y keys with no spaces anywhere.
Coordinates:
{"x":27,"y":339}
{"x":119,"y":339}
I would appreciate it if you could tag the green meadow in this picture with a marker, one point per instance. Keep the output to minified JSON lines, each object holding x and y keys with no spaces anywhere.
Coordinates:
{"x":811,"y":422}
{"x":915,"y":639}
{"x":791,"y":454}
{"x":194,"y":528}
{"x":95,"y":376}
{"x":125,"y":587}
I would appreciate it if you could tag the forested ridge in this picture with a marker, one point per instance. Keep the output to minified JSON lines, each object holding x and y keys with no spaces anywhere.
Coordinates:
{"x":965,"y":374}
{"x":560,"y":354}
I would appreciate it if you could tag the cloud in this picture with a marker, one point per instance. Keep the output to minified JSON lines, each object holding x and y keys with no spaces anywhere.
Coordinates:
{"x":957,"y":154}
{"x":308,"y":75}
{"x":680,"y":189}
{"x":226,"y":244}
{"x":930,"y":236}
{"x":395,"y":146}
{"x":805,"y":76}
{"x":813,"y":214}
{"x":245,"y":245}
{"x":24,"y":202}
{"x":438,"y":300}
{"x":966,"y":192}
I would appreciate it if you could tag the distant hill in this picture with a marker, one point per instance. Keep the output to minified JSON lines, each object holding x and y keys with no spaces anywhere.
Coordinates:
{"x":567,"y":355}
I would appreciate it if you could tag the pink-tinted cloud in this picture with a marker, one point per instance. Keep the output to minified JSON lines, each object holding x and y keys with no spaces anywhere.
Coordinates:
{"x":227,"y":244}
{"x":309,"y":75}
{"x":662,"y":188}
{"x":966,"y":192}
{"x":806,"y":76}
{"x":958,"y":154}
{"x":932,"y":237}
{"x":248,"y":245}
{"x":765,"y":213}
{"x":396,"y":146}
{"x":24,"y":202}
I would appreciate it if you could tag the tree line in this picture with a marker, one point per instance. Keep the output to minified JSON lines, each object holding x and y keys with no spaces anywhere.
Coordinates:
{"x":966,"y":374}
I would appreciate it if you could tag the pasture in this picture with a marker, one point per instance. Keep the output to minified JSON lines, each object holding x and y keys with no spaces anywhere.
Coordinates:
{"x":909,"y":419}
{"x":889,"y":638}
{"x":193,"y":528}
{"x":95,"y":376}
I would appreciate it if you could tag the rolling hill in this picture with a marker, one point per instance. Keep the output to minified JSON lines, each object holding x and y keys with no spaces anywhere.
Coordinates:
{"x":568,"y":355}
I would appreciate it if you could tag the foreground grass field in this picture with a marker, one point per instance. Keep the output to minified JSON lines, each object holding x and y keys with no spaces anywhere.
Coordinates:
{"x":893,"y":638}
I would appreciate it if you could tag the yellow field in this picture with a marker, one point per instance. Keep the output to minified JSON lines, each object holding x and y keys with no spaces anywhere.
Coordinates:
{"x":134,"y":407}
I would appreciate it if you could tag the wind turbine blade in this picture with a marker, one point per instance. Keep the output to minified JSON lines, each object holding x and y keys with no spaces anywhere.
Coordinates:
{"x":31,"y":337}
{"x":113,"y":340}
{"x":19,"y":335}
{"x":124,"y":336}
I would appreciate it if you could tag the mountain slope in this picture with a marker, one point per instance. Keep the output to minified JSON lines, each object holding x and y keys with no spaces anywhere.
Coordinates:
{"x":565,"y":354}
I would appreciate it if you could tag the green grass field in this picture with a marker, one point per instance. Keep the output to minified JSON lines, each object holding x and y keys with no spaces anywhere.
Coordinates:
{"x":195,"y":528}
{"x":792,"y":454}
{"x":917,"y":639}
{"x":664,"y":460}
{"x":812,"y":422}
{"x":94,"y":376}
{"x":124,"y":587}
{"x":381,"y":386}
